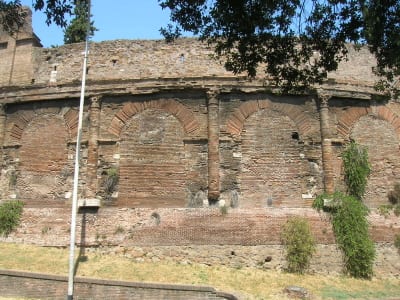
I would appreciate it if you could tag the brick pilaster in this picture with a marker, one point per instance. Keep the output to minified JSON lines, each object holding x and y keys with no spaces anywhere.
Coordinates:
{"x":2,"y":129}
{"x":213,"y":145}
{"x":93,"y":147}
{"x":326,"y":144}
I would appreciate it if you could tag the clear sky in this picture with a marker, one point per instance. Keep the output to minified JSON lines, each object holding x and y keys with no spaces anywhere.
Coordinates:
{"x":117,"y":19}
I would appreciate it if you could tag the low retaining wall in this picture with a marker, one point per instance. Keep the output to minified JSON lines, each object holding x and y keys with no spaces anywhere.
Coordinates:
{"x":327,"y":259}
{"x":43,"y":286}
{"x":239,"y":238}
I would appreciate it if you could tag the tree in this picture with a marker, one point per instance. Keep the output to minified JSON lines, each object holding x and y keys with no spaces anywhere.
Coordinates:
{"x":297,"y":42}
{"x":57,"y":11}
{"x":11,"y":16}
{"x":77,"y":29}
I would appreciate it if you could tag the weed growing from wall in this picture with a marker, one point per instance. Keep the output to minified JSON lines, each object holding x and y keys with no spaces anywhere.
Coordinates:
{"x":13,"y":176}
{"x":349,"y":214}
{"x":299,"y":244}
{"x":10,"y":216}
{"x":356,"y":169}
{"x":350,"y":226}
{"x":111,"y":182}
{"x":223,"y":210}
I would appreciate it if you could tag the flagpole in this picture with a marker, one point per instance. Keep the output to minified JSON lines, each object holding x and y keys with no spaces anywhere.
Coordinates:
{"x":76,"y":168}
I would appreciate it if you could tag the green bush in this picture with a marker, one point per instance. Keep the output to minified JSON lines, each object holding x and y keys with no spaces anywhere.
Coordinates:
{"x":299,"y":244}
{"x":350,"y":226}
{"x":356,"y":169}
{"x":10,"y":215}
{"x":327,"y":202}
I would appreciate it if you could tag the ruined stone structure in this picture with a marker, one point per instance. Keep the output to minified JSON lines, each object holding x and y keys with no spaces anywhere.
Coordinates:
{"x":179,"y":130}
{"x":183,"y":136}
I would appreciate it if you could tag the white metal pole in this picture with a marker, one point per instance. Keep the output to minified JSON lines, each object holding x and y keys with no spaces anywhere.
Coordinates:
{"x":76,"y":168}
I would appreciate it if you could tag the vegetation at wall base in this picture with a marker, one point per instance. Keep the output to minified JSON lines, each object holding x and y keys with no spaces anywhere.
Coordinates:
{"x":349,"y":214}
{"x":299,"y":244}
{"x":350,"y":226}
{"x":10,"y":215}
{"x":356,"y":169}
{"x":244,"y":282}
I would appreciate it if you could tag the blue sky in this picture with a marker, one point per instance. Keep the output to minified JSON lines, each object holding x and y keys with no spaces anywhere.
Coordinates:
{"x":118,"y":19}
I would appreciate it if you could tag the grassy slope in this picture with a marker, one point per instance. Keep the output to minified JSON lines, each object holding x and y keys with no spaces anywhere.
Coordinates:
{"x":246,"y":283}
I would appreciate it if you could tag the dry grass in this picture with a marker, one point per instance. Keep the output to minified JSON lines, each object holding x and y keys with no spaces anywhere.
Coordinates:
{"x":247,"y":283}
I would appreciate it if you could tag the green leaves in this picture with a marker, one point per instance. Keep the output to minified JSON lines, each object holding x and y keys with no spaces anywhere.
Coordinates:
{"x":356,"y":168}
{"x":55,"y":10}
{"x":11,"y":15}
{"x":349,"y":214}
{"x":10,"y":215}
{"x":351,"y":230}
{"x":77,"y":30}
{"x":296,"y":42}
{"x":299,"y":243}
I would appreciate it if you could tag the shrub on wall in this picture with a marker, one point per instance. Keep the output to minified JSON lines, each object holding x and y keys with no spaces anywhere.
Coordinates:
{"x":349,"y":214}
{"x":299,"y":244}
{"x":10,"y":215}
{"x":350,"y":226}
{"x":356,"y":169}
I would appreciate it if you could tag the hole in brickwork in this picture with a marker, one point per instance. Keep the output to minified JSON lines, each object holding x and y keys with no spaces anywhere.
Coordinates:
{"x":3,"y":45}
{"x":114,"y":62}
{"x":233,"y":252}
{"x":268,"y":259}
{"x":295,"y":136}
{"x":156,"y":218}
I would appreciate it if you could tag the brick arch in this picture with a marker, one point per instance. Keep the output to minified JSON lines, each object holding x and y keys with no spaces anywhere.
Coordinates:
{"x":353,"y":114}
{"x":236,"y":121}
{"x":23,"y":119}
{"x":181,"y":112}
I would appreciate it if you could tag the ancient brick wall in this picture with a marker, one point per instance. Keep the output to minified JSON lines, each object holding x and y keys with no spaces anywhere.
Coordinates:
{"x":269,"y":150}
{"x":239,"y":238}
{"x":184,"y":137}
{"x":17,"y":61}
